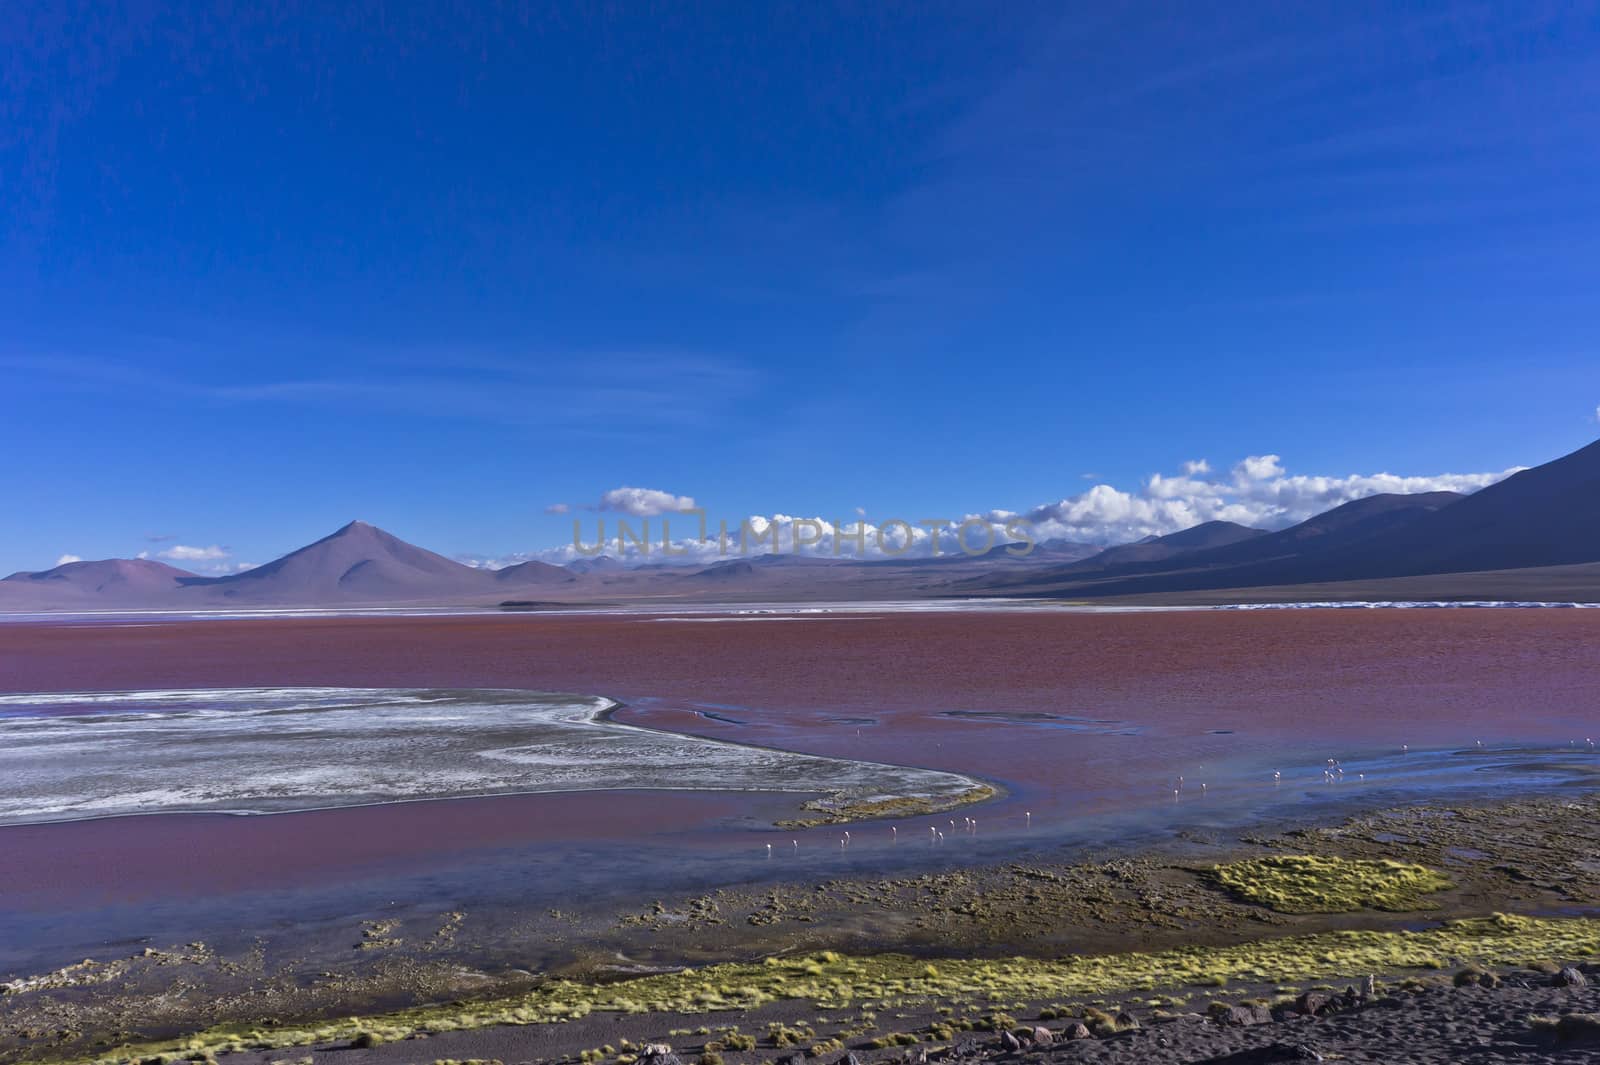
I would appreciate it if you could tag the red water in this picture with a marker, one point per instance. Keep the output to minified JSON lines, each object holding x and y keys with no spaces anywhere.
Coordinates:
{"x":1197,"y":689}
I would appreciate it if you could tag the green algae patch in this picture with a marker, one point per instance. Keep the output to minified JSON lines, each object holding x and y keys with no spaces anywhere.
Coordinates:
{"x":831,"y":981}
{"x":1303,"y":883}
{"x":839,"y":810}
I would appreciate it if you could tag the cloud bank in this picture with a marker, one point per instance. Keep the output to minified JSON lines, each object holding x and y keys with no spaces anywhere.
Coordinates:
{"x":1257,"y":491}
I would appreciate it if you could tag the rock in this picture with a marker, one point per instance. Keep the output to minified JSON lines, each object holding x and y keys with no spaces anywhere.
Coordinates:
{"x":658,"y":1054}
{"x":1314,"y":1003}
{"x":1126,"y":1021}
{"x":1043,"y":1037}
{"x":1076,"y":1030}
{"x":851,"y":1059}
{"x":1569,"y":977}
{"x":1582,"y":1029}
{"x":1270,"y":1054}
{"x":1239,"y":1016}
{"x":1010,"y":1043}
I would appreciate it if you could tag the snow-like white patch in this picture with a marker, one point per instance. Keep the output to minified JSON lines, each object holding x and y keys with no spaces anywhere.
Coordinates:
{"x":265,"y":750}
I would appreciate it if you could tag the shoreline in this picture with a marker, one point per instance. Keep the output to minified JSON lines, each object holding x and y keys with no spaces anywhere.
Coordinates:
{"x":757,"y":609}
{"x":1154,"y":901}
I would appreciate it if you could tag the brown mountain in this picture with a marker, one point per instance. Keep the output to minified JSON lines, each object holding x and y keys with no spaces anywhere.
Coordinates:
{"x":111,"y":583}
{"x":1202,"y":537}
{"x":1270,"y":558}
{"x":1536,"y":520}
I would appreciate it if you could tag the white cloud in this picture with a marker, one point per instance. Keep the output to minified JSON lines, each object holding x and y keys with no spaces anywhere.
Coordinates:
{"x":1195,"y":467}
{"x":643,"y":502}
{"x":557,"y":508}
{"x":1258,"y":468}
{"x":184,"y":553}
{"x":1258,"y":492}
{"x":64,"y":559}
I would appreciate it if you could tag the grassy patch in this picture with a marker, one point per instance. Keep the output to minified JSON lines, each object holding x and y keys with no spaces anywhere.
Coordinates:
{"x":833,"y":982}
{"x":835,"y":810}
{"x":1307,"y":884}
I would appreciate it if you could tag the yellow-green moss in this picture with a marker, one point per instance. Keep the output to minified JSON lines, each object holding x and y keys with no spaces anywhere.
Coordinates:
{"x":1307,"y":884}
{"x":833,"y":810}
{"x":833,"y":982}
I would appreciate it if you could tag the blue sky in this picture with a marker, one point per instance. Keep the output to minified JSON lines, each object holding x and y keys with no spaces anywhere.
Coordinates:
{"x":260,"y":275}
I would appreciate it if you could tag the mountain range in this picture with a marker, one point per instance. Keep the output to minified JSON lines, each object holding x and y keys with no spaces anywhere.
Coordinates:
{"x":1534,"y":535}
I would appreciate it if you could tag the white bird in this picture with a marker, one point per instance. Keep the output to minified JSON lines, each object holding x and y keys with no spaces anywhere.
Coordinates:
{"x":1277,"y":776}
{"x":769,"y":850}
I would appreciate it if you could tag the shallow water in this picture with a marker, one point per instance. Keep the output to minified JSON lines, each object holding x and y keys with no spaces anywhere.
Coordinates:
{"x":1087,"y":721}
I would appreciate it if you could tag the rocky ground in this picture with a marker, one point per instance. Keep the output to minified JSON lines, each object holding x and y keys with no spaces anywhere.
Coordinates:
{"x":1472,"y":1016}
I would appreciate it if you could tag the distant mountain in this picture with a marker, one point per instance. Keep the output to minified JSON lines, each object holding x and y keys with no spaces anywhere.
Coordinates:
{"x":536,"y":573}
{"x":1541,"y":517}
{"x":1340,"y":529}
{"x":357,"y":563}
{"x":125,"y":582}
{"x":1235,"y":558}
{"x":1539,"y":530}
{"x":1207,"y":535}
{"x":599,"y":564}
